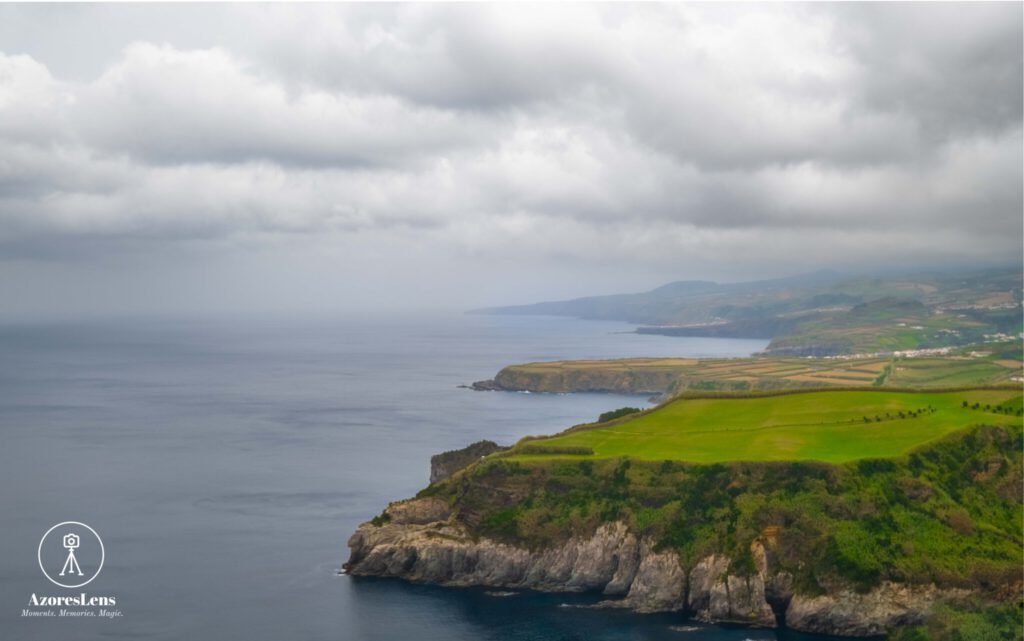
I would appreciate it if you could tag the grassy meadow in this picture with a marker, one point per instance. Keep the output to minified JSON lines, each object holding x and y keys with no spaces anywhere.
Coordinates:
{"x":827,"y":426}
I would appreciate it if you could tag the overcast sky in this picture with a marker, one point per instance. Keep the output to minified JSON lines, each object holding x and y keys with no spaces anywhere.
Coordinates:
{"x":241,"y":157}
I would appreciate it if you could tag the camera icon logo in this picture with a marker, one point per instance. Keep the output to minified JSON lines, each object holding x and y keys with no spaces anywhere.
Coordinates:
{"x":71,"y":541}
{"x":71,"y":554}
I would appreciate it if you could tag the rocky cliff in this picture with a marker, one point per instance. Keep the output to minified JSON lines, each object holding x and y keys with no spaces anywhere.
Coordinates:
{"x":420,"y":541}
{"x":445,"y":464}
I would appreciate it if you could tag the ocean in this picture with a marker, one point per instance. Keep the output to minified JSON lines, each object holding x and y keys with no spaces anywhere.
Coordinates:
{"x":225,"y":462}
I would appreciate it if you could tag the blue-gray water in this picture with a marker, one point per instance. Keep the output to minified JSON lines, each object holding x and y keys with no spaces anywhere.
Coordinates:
{"x":225,"y":464}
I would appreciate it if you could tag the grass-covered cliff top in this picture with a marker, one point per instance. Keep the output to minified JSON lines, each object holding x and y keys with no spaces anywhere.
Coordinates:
{"x":993,"y":364}
{"x":947,"y":512}
{"x":857,"y":485}
{"x":829,"y":426}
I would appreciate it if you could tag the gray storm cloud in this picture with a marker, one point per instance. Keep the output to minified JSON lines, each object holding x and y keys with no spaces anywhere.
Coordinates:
{"x":562,"y":149}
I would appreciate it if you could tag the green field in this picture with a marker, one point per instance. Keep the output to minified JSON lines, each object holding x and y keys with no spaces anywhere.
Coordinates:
{"x":829,"y":426}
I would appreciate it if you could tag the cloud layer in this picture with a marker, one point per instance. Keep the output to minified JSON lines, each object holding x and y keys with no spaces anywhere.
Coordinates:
{"x":650,"y":141}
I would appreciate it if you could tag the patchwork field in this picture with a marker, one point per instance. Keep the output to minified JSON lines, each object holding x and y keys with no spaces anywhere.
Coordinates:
{"x":830,"y":426}
{"x":677,"y":375}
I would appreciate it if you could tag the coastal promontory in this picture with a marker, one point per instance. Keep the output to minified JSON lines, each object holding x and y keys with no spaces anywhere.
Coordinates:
{"x":844,"y":512}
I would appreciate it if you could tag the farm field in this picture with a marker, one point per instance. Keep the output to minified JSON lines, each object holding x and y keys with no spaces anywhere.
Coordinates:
{"x":680,"y":376}
{"x":952,"y":372}
{"x":829,"y":426}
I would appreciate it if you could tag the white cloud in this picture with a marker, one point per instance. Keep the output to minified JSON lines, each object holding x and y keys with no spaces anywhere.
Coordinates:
{"x":159,"y":104}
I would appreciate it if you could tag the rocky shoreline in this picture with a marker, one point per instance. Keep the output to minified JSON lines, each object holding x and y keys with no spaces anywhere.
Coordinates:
{"x":420,"y":541}
{"x":490,"y":385}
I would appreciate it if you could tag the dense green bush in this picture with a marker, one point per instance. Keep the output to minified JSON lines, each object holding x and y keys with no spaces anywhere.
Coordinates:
{"x":619,"y":413}
{"x":967,"y":622}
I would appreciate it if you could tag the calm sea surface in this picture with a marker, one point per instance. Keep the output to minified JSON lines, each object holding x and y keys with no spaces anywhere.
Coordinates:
{"x":225,"y":464}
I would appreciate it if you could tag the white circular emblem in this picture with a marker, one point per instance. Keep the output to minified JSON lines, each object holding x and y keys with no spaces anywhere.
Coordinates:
{"x":71,"y":554}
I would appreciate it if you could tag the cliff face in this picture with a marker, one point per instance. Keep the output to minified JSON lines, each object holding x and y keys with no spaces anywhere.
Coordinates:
{"x":444,"y":465}
{"x":422,"y":542}
{"x":846,"y":612}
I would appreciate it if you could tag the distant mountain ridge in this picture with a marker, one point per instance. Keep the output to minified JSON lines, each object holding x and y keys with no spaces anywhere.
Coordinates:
{"x":819,"y":313}
{"x":667,"y":303}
